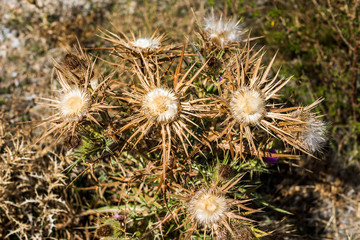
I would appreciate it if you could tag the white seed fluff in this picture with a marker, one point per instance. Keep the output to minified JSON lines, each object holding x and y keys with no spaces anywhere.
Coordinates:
{"x":221,"y":32}
{"x":146,"y":43}
{"x":74,"y":104}
{"x":247,"y":106}
{"x":161,"y":104}
{"x":314,"y":136}
{"x":208,"y":206}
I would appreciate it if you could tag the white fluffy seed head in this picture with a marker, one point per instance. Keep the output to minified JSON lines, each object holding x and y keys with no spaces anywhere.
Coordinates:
{"x":74,"y":104}
{"x":247,"y":105}
{"x":208,"y":206}
{"x":221,"y":32}
{"x":161,"y":105}
{"x":314,"y":135}
{"x":146,"y":43}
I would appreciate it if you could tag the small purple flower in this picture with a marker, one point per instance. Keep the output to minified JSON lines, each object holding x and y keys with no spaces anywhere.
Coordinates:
{"x":119,"y":217}
{"x":220,"y":79}
{"x":271,"y":160}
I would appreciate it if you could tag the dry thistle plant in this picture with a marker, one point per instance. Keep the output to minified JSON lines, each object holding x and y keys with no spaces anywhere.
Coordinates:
{"x":31,"y":198}
{"x":81,"y":95}
{"x":162,"y":110}
{"x":234,"y":108}
{"x":245,"y":95}
{"x":211,"y":209}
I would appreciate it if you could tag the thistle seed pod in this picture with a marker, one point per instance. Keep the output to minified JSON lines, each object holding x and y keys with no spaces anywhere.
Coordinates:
{"x":105,"y":231}
{"x":312,"y":133}
{"x":72,"y":141}
{"x":71,"y":61}
{"x":225,"y":171}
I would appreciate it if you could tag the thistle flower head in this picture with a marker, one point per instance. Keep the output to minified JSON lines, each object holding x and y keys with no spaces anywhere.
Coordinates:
{"x":146,"y":43}
{"x":161,"y":104}
{"x":161,"y":110}
{"x":208,"y":206}
{"x":138,"y":47}
{"x":221,"y":32}
{"x":74,"y":104}
{"x":247,"y":105}
{"x":119,"y":217}
{"x":314,"y":135}
{"x":309,"y":131}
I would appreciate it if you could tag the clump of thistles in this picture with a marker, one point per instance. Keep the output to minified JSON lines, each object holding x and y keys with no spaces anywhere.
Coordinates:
{"x":161,"y":104}
{"x":220,"y":32}
{"x":74,"y":104}
{"x":248,"y":105}
{"x":208,"y":206}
